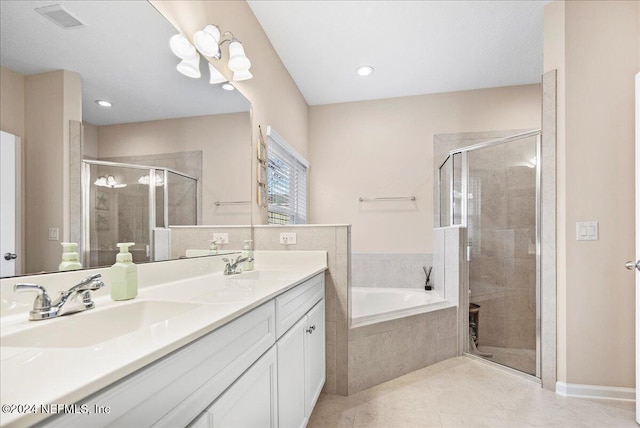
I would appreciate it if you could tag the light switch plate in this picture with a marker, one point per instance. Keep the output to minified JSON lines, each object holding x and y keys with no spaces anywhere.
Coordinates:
{"x":586,"y":231}
{"x":54,"y":234}
{"x":288,"y":238}
{"x":221,"y":238}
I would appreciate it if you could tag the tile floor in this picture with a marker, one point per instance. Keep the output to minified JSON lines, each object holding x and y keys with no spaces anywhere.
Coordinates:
{"x":460,"y":392}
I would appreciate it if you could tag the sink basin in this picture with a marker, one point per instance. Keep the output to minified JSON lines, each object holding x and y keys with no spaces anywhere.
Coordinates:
{"x":96,"y":326}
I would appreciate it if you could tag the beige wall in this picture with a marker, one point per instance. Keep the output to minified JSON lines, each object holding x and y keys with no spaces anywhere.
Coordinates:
{"x":51,"y":101}
{"x":385,"y":148}
{"x":89,"y":141}
{"x":275,"y":98}
{"x":225,"y":143}
{"x":595,"y":47}
{"x":11,"y":102}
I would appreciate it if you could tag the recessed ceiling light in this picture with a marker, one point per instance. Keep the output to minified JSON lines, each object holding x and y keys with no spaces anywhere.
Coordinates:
{"x":364,"y":70}
{"x":228,"y":86}
{"x":103,"y":103}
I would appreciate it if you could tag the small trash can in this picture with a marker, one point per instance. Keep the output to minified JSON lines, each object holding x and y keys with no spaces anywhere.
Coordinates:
{"x":474,"y":318}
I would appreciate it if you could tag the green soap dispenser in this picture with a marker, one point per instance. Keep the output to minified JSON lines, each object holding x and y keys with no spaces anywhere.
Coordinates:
{"x":213,"y":248}
{"x":70,"y":259}
{"x":247,"y":252}
{"x":124,"y":274}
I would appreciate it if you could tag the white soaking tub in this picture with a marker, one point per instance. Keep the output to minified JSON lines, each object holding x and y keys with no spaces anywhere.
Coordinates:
{"x":372,"y":304}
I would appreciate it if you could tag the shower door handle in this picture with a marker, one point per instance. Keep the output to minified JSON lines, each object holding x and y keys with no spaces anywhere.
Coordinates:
{"x":631,"y":265}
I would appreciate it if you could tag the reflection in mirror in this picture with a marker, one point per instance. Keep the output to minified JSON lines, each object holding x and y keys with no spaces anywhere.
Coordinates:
{"x":119,"y":52}
{"x":119,"y":202}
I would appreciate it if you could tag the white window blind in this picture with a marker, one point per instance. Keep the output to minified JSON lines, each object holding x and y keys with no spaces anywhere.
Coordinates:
{"x":286,"y":182}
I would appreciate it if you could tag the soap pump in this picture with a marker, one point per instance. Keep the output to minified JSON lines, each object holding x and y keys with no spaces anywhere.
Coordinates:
{"x":247,"y":253}
{"x":213,"y":248}
{"x":124,"y":274}
{"x":70,"y":260}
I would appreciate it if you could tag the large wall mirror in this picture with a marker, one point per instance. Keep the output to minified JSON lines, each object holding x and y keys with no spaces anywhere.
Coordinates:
{"x":186,"y":138}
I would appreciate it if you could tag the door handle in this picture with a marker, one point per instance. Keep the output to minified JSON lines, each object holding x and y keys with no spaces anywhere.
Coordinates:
{"x":10,"y":256}
{"x":631,"y":265}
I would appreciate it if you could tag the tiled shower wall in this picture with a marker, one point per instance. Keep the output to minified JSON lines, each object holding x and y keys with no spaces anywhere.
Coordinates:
{"x":390,"y":270}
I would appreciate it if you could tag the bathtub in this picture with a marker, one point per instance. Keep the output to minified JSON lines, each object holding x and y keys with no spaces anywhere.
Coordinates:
{"x":372,"y":304}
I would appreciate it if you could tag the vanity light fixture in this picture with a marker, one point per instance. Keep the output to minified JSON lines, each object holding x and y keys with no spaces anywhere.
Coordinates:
{"x":145,"y":180}
{"x":103,"y":103}
{"x":109,"y":181}
{"x":183,"y":49}
{"x":215,"y":76}
{"x":238,"y":61}
{"x":364,"y":70}
{"x":242,"y":75}
{"x":208,"y":42}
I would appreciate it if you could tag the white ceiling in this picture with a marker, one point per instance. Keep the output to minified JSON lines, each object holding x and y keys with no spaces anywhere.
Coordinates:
{"x":122,"y":56}
{"x":416,"y":47}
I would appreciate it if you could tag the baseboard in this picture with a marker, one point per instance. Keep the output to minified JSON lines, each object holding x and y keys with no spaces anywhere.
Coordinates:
{"x":595,"y":391}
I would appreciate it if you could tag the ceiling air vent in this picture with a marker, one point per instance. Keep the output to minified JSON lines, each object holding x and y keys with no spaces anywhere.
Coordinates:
{"x":60,"y":16}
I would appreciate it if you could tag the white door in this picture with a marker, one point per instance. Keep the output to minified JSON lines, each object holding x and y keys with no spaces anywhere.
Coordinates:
{"x":10,"y":197}
{"x":635,"y":265}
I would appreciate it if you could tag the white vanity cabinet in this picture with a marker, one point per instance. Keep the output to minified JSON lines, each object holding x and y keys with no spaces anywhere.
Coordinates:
{"x":287,"y":387}
{"x":301,"y":359}
{"x":174,"y":390}
{"x":263,"y":369}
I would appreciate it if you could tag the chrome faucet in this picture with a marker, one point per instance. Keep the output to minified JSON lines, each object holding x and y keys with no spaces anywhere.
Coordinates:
{"x":232,"y":268}
{"x":80,"y":293}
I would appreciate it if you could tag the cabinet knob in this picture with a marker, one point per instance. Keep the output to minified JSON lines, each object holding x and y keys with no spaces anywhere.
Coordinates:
{"x":10,"y":256}
{"x":310,"y":329}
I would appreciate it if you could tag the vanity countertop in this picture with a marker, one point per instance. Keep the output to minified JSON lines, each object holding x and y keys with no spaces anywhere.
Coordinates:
{"x":50,"y":375}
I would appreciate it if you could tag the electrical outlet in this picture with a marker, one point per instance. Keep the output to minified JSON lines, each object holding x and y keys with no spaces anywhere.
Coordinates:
{"x":54,"y":234}
{"x":221,"y":238}
{"x":288,"y":238}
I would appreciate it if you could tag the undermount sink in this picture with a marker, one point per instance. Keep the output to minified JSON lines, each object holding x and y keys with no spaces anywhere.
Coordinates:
{"x":96,"y":326}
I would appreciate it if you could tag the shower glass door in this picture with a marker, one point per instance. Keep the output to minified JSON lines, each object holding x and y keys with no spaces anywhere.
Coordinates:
{"x":126,"y":202}
{"x":502,"y":229}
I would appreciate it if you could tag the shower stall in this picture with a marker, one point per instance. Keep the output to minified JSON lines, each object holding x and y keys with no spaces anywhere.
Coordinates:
{"x":493,"y":190}
{"x":126,"y":202}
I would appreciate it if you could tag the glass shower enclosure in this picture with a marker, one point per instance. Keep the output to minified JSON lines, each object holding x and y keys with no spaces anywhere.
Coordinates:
{"x":493,"y":189}
{"x":126,"y":202}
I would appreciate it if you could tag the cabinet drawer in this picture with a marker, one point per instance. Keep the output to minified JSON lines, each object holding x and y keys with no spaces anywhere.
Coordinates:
{"x":174,"y":390}
{"x":293,"y":304}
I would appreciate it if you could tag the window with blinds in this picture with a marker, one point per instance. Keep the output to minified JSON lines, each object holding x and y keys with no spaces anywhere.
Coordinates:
{"x":286,"y":182}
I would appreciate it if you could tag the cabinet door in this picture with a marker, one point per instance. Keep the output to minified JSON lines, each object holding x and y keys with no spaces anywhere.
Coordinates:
{"x":314,"y":356}
{"x":291,"y":372}
{"x":252,"y":400}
